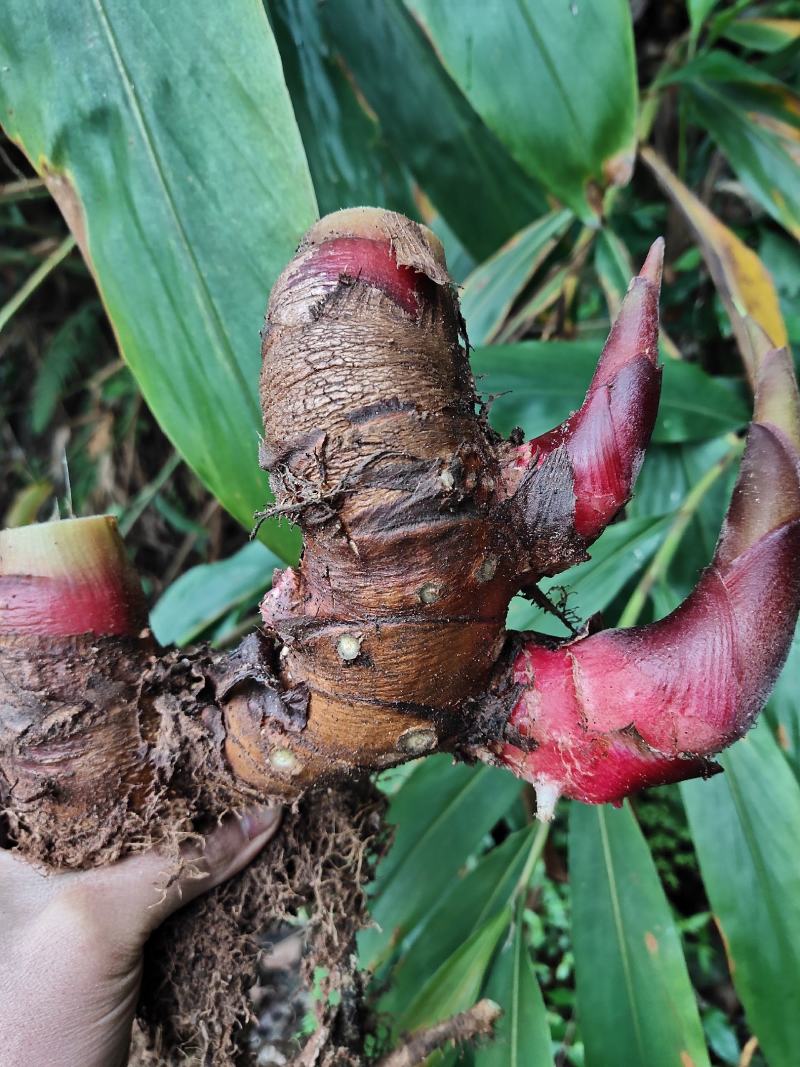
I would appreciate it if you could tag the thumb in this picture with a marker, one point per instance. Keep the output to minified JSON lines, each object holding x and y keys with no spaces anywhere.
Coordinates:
{"x":223,"y":853}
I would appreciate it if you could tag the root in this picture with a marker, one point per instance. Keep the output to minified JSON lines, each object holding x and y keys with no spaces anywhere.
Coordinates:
{"x":466,"y":1026}
{"x":200,"y":966}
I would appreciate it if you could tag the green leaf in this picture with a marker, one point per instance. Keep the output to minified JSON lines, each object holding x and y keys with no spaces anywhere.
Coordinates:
{"x":763,"y":34}
{"x":71,"y":345}
{"x":442,"y":813}
{"x":567,"y":115}
{"x":205,"y":593}
{"x":522,"y":1036}
{"x":781,"y":257}
{"x":742,"y":282}
{"x":668,"y":474}
{"x":696,"y":406}
{"x":746,"y":824}
{"x":350,"y":161}
{"x":543,"y":297}
{"x":614,"y":268}
{"x":468,"y":175}
{"x":546,"y":380}
{"x":473,"y":899}
{"x":170,"y":144}
{"x":635,"y":1001}
{"x":784,"y":706}
{"x":617,"y":556}
{"x":754,"y":120}
{"x":699,"y":10}
{"x":492,"y":288}
{"x":456,"y":985}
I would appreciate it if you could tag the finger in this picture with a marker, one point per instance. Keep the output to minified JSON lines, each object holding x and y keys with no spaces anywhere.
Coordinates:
{"x":153,"y":888}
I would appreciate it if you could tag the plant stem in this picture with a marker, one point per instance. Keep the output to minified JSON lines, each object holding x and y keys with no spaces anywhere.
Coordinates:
{"x":651,"y":99}
{"x":23,"y":189}
{"x":12,"y":306}
{"x":143,"y":499}
{"x":660,"y":562}
{"x":535,"y":854}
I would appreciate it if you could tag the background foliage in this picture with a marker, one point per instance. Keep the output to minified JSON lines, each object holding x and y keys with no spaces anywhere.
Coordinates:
{"x":189,"y":146}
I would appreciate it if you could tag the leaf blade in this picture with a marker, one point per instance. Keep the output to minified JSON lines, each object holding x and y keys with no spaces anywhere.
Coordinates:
{"x":742,"y":281}
{"x":204,"y":593}
{"x":753,"y":119}
{"x":429,"y":850}
{"x":747,"y":820}
{"x":620,"y":915}
{"x":431,"y":126}
{"x":575,"y":61}
{"x":456,"y":985}
{"x":490,"y":290}
{"x":474,"y":899}
{"x":522,"y":1036}
{"x":547,"y":380}
{"x":184,"y":249}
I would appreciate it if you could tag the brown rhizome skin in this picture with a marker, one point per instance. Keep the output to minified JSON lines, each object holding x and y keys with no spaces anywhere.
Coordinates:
{"x":388,"y":641}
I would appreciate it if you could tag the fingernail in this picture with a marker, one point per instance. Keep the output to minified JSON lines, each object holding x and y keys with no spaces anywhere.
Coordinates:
{"x":259,"y":820}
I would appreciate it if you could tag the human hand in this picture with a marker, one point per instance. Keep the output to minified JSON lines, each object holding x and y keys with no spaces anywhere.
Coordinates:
{"x":71,"y":943}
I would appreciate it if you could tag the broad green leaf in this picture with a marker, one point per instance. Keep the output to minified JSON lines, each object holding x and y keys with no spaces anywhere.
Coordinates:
{"x":349,"y":158}
{"x":475,"y":897}
{"x":456,"y":985}
{"x":442,"y":813}
{"x":555,"y":81}
{"x":522,"y":1036}
{"x":763,"y":34}
{"x":617,"y":556}
{"x":469,"y":176}
{"x":740,"y":277}
{"x":695,"y":406}
{"x":635,"y":1001}
{"x":746,"y":825}
{"x":205,"y":593}
{"x":170,"y":144}
{"x":492,"y":288}
{"x":754,"y":120}
{"x":544,"y":381}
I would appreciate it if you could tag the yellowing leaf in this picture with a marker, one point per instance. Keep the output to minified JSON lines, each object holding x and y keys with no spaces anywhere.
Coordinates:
{"x":755,"y":120}
{"x":764,"y":35}
{"x":743,"y":282}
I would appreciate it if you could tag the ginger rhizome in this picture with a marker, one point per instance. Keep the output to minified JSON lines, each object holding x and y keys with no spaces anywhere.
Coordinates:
{"x":420,"y":523}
